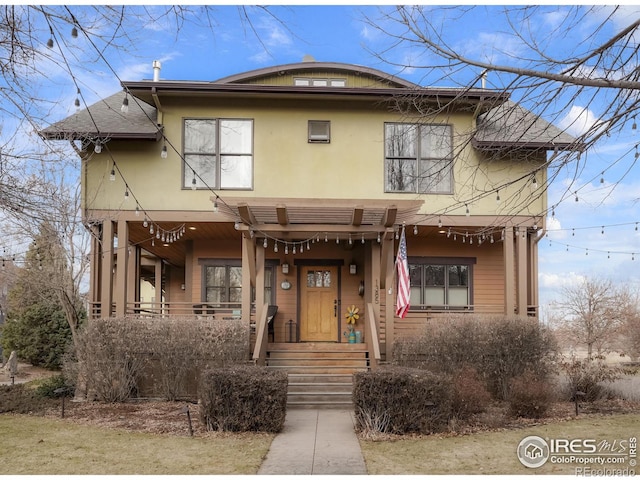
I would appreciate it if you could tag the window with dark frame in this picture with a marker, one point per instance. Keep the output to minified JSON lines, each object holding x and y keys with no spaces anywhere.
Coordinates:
{"x":445,"y":284}
{"x":418,"y":158}
{"x":319,"y":131}
{"x":222,"y":284}
{"x":218,"y":153}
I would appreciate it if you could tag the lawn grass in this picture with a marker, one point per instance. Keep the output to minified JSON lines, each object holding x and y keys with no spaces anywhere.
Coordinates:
{"x":43,"y":446}
{"x":489,"y":452}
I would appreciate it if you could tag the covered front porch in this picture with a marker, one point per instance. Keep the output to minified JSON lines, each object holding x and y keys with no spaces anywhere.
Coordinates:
{"x":312,"y":260}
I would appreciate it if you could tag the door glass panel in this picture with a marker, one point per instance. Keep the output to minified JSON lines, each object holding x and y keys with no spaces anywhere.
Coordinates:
{"x":327,"y":279}
{"x":319,"y":279}
{"x":311,"y":278}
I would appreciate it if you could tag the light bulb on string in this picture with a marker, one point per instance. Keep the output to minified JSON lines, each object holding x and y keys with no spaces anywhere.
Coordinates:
{"x":350,"y":240}
{"x":124,"y":108}
{"x":439,"y":222}
{"x":50,"y":41}
{"x":163,"y":152}
{"x":286,"y":249}
{"x":467,"y":213}
{"x":215,"y":206}
{"x":602,"y":231}
{"x":498,"y":197}
{"x":74,"y":32}
{"x":275,"y":247}
{"x":294,"y":249}
{"x":265,"y":244}
{"x":534,"y":183}
{"x":634,"y":125}
{"x":193,"y":183}
{"x":77,"y":101}
{"x":602,"y":178}
{"x":126,"y":193}
{"x":112,"y":175}
{"x":97,"y":147}
{"x":576,"y":195}
{"x":415,"y":229}
{"x":379,"y":239}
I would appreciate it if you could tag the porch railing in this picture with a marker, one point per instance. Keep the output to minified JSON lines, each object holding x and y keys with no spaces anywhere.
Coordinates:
{"x":218,"y":311}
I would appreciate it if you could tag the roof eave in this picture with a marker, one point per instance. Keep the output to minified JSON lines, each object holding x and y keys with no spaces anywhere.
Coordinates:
{"x":490,"y":145}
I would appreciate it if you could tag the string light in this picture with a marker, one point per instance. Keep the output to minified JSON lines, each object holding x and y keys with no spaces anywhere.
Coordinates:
{"x":467,"y":209}
{"x":112,"y":175}
{"x":77,"y":101}
{"x":74,"y":32}
{"x":415,"y":229}
{"x":124,"y":108}
{"x":534,"y":183}
{"x":163,"y":152}
{"x":498,"y":197}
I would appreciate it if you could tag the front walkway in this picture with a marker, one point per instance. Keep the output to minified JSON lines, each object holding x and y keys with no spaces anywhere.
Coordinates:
{"x":315,"y":442}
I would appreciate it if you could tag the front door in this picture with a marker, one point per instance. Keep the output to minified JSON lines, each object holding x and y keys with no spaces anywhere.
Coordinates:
{"x":319,"y":304}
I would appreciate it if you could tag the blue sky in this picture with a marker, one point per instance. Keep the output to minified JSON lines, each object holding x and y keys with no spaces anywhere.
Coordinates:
{"x":575,"y":246}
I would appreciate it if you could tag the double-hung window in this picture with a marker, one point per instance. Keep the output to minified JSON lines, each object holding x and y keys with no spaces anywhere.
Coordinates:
{"x":418,"y":158}
{"x":218,"y":153}
{"x":223,"y":283}
{"x":441,"y":283}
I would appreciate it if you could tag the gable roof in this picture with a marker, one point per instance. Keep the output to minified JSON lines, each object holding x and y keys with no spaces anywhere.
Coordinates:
{"x":104,"y":119}
{"x":511,"y":125}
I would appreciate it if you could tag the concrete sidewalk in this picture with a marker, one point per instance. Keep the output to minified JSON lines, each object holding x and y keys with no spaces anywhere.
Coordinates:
{"x":315,"y":442}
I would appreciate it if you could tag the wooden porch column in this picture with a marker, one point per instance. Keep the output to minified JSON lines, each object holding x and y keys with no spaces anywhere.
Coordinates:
{"x":372,"y":292}
{"x":388,"y":289}
{"x":509,"y":272}
{"x":122,"y":259}
{"x":248,"y":280}
{"x":106,"y":269}
{"x":157,"y":304}
{"x":133,"y":276}
{"x":522,"y":269}
{"x":259,"y":282}
{"x":94,"y":272}
{"x":188,"y":271}
{"x":533,"y":274}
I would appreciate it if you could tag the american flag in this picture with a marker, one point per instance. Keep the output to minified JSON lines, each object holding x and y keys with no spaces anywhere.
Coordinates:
{"x":402,"y":267}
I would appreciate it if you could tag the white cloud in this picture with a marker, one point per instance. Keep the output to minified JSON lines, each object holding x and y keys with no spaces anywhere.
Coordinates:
{"x":578,"y":121}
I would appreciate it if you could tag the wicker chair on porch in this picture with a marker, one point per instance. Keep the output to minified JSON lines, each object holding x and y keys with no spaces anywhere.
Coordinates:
{"x":271,"y":315}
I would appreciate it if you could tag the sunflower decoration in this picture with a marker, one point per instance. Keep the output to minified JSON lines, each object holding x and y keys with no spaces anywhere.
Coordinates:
{"x":352,"y":315}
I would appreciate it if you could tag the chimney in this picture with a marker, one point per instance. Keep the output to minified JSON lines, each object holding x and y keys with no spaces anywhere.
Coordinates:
{"x":156,"y":70}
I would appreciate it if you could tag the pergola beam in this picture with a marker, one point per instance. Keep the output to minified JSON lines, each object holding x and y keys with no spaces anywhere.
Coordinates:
{"x":283,"y":217}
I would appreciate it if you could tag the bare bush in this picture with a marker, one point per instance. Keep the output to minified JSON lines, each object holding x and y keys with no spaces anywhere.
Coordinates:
{"x":470,"y":395}
{"x":499,"y":348}
{"x":108,"y":352}
{"x":182,"y":347}
{"x":585,"y":378}
{"x":114,"y":355}
{"x":529,"y":396}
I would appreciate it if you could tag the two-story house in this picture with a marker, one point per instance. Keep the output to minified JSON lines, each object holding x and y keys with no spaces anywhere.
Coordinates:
{"x":289,"y":186}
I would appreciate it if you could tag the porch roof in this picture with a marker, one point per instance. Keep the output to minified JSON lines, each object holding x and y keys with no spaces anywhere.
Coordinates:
{"x":301,"y":216}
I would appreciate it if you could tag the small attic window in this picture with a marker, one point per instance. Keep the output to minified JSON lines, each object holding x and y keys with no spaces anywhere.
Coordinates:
{"x":320,"y":82}
{"x":319,"y":131}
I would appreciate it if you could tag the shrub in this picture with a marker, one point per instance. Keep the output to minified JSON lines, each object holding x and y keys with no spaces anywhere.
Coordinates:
{"x":39,"y":334}
{"x":243,"y":398}
{"x":113,"y":356}
{"x":499,"y":348}
{"x":401,"y":400}
{"x":109,"y":354}
{"x":21,"y":398}
{"x":47,"y":387}
{"x":585,"y":377}
{"x":470,"y":395}
{"x":181,"y":347}
{"x":529,"y":396}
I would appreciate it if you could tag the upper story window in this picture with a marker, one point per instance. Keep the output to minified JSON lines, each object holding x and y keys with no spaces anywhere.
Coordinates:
{"x":319,"y":131}
{"x":320,"y":82}
{"x":218,"y":153}
{"x":418,"y":158}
